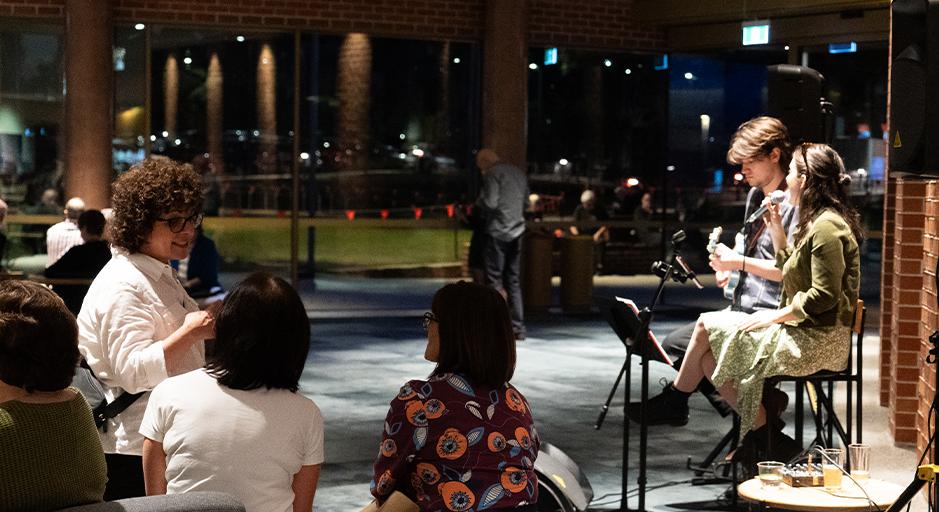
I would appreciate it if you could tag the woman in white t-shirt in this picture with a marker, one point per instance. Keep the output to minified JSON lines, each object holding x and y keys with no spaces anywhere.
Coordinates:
{"x":238,"y":425}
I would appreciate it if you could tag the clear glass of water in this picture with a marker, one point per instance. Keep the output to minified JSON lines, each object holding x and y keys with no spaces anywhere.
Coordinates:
{"x":860,"y":461}
{"x":770,"y":474}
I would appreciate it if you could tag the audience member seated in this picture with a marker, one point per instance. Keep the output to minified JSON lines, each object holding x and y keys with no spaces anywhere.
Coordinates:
{"x":238,"y":425}
{"x":63,"y":236}
{"x":648,"y":236}
{"x":35,"y":234}
{"x":50,"y":456}
{"x":202,"y":268}
{"x":463,"y":438}
{"x":82,"y":261}
{"x":589,"y":211}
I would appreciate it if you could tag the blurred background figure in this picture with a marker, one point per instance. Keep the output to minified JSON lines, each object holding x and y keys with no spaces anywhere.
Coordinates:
{"x":201,"y":270}
{"x":3,"y":232}
{"x":589,"y":211}
{"x":63,"y":236}
{"x":81,"y":261}
{"x":647,"y":236}
{"x":48,"y":205}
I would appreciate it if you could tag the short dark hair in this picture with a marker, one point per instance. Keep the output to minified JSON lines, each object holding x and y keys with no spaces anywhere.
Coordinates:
{"x":262,"y":336}
{"x":148,"y":191}
{"x":38,"y":337}
{"x":476,"y":338}
{"x":92,"y":221}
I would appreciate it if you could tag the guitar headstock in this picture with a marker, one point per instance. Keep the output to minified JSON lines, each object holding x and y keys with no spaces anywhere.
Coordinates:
{"x":714,"y":238}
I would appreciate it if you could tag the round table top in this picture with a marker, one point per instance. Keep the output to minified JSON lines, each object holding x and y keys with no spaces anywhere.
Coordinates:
{"x":817,"y":499}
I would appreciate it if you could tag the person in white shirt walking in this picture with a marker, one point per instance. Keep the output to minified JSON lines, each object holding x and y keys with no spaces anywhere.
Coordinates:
{"x":62,"y":236}
{"x":137,"y":325}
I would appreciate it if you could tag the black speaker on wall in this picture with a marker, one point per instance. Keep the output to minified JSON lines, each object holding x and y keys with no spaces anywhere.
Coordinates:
{"x":794,"y":96}
{"x":914,"y":87}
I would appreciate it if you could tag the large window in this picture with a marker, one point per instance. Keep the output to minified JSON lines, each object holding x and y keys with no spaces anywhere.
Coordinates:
{"x":386,"y":124}
{"x":594,"y":120}
{"x":379,"y":128}
{"x":31,"y":113}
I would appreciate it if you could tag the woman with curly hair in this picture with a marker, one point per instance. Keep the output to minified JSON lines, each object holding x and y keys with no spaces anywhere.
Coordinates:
{"x":464,"y":438}
{"x":137,"y":325}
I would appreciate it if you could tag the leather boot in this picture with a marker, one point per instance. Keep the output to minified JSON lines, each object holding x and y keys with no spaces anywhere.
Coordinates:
{"x":670,"y":407}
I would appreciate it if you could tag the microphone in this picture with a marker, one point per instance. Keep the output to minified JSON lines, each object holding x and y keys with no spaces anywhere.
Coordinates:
{"x":691,"y":275}
{"x":777,"y":197}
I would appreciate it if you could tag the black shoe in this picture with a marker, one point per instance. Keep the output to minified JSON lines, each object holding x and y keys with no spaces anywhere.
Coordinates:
{"x":670,"y":407}
{"x":717,"y":402}
{"x":753,"y":446}
{"x":784,"y":448}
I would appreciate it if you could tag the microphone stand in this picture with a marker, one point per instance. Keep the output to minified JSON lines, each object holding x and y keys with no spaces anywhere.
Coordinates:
{"x":665,"y":271}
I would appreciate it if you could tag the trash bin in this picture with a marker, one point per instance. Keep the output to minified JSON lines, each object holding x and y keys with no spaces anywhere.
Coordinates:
{"x":536,"y":272}
{"x":577,"y":274}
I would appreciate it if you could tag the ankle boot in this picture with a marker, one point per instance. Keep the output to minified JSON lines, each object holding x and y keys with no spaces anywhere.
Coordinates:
{"x":670,"y":407}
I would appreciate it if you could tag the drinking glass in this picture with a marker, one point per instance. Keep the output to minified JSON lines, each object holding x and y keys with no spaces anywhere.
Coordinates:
{"x":770,"y":474}
{"x":831,"y":467}
{"x":860,"y":461}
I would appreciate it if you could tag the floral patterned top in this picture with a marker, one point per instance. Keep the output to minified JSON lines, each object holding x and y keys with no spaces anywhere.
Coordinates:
{"x":449,"y":445}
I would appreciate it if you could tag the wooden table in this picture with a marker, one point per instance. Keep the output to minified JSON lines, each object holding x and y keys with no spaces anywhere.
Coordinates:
{"x":816,"y":499}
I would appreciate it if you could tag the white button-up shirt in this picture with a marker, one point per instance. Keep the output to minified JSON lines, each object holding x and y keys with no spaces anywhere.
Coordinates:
{"x":60,"y":238}
{"x":133,"y":303}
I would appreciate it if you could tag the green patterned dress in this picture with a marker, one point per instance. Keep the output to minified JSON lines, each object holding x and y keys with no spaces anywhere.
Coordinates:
{"x":821,"y":277}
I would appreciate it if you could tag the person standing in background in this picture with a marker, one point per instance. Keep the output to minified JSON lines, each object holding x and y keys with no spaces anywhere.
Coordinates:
{"x":503,"y":200}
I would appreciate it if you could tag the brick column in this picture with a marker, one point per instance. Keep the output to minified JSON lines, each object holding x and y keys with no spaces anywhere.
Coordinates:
{"x":929,"y":314}
{"x":906,"y":315}
{"x":88,"y":100}
{"x":886,"y":289}
{"x":505,"y":80}
{"x":353,"y":88}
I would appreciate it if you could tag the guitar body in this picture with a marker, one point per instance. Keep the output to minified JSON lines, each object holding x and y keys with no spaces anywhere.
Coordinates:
{"x":740,"y":245}
{"x":733,"y":276}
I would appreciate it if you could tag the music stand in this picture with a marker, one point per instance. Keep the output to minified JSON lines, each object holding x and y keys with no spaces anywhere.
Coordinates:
{"x":628,"y":322}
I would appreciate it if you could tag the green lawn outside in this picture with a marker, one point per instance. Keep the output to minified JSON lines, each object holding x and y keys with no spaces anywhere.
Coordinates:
{"x":343,"y":247}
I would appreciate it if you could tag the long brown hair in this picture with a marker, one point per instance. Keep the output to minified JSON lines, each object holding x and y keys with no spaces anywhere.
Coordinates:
{"x":825,"y":188}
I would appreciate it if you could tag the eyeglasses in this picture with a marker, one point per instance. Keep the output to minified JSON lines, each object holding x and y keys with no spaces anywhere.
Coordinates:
{"x":428,"y":318}
{"x":177,"y":224}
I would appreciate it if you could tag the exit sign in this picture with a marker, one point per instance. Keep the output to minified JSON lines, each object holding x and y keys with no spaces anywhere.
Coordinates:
{"x":755,"y":32}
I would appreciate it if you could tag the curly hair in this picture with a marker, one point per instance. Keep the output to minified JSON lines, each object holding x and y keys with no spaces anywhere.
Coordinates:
{"x":757,"y":138}
{"x":825,"y":188}
{"x":38,"y":337}
{"x":145,"y":193}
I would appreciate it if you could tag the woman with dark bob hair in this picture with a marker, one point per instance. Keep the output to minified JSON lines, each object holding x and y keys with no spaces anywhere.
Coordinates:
{"x":239,"y":425}
{"x":39,"y":413}
{"x":137,"y":324}
{"x":464,"y":438}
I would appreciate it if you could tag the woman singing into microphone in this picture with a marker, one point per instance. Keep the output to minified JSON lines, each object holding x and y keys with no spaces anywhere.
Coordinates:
{"x":809,"y":331}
